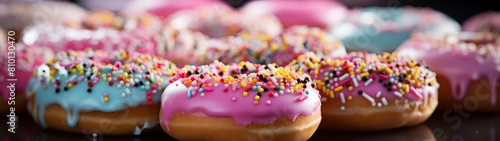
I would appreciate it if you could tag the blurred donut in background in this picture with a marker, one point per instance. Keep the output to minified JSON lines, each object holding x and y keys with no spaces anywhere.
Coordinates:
{"x":319,"y":13}
{"x":19,"y":14}
{"x":486,"y":21}
{"x":165,"y":8}
{"x":383,"y":29}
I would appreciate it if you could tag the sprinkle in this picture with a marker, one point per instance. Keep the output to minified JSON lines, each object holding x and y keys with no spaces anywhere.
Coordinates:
{"x":349,"y":98}
{"x":257,"y":97}
{"x":233,"y":99}
{"x":342,"y":98}
{"x":368,"y":82}
{"x":379,"y":104}
{"x":245,"y":94}
{"x":339,"y":88}
{"x":398,"y":94}
{"x":342,"y":108}
{"x":255,"y":102}
{"x":202,"y":94}
{"x":268,"y":102}
{"x":127,"y":91}
{"x":369,"y":98}
{"x":355,"y":82}
{"x":379,"y":94}
{"x":190,"y":92}
{"x":105,"y":99}
{"x":384,"y":101}
{"x":344,"y":77}
{"x":243,"y":84}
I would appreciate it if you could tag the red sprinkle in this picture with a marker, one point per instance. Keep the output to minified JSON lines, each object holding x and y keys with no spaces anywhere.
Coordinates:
{"x":149,"y":97}
{"x":146,"y":77}
{"x":90,"y":84}
{"x":74,"y":82}
{"x":343,"y":82}
{"x":110,"y":83}
{"x":226,"y":89}
{"x":384,"y":77}
{"x":271,"y":95}
{"x":150,"y":103}
{"x":58,"y":82}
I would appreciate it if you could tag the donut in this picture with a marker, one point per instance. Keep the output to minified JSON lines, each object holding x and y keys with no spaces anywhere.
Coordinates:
{"x":101,"y":30}
{"x":467,"y":66}
{"x":378,"y":30}
{"x":489,"y":21}
{"x":92,"y":91}
{"x":217,"y":22}
{"x":241,"y":101}
{"x":368,"y":92}
{"x":17,"y":15}
{"x":281,"y":49}
{"x":25,"y":62}
{"x":164,"y":8}
{"x":316,"y":13}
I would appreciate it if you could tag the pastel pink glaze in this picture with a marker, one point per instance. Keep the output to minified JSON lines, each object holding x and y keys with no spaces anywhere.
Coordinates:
{"x":458,"y":61}
{"x":26,"y":61}
{"x":483,"y":21}
{"x":320,"y":13}
{"x":165,"y":8}
{"x":232,"y":104}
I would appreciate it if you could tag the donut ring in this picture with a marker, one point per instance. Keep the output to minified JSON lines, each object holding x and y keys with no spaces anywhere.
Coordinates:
{"x":217,"y":22}
{"x":467,"y":64}
{"x":378,"y":30}
{"x":240,"y":102}
{"x":487,"y":21}
{"x":110,"y":93}
{"x":102,"y":30}
{"x":366,"y":92}
{"x":281,"y":49}
{"x":165,"y":8}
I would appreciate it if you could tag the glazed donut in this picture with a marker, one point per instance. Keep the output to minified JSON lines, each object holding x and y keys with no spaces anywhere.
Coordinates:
{"x":17,"y":15}
{"x":98,"y":30}
{"x":26,"y":59}
{"x":366,"y":92}
{"x":240,"y":102}
{"x":489,"y":21}
{"x":281,"y":49}
{"x":164,"y":8}
{"x":217,"y":22}
{"x":317,"y":13}
{"x":467,"y":64}
{"x":378,"y":30}
{"x":110,"y":93}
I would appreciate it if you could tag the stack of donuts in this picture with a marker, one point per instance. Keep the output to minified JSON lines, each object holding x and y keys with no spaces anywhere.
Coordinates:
{"x":272,"y":70}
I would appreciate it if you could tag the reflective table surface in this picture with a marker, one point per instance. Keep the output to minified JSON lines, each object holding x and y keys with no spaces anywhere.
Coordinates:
{"x":443,"y":125}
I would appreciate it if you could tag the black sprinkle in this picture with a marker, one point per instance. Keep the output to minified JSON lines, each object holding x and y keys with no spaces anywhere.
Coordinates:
{"x":65,"y":88}
{"x":196,"y":72}
{"x":88,"y":77}
{"x":189,"y":73}
{"x":201,"y":76}
{"x":304,"y":86}
{"x":364,"y":78}
{"x":360,"y":92}
{"x":389,"y":89}
{"x":136,"y":84}
{"x":266,"y":89}
{"x":266,"y":67}
{"x":258,"y":93}
{"x":265,"y":80}
{"x":89,"y":90}
{"x":221,"y":73}
{"x":141,"y":83}
{"x":380,"y":80}
{"x":313,"y":85}
{"x":57,"y":90}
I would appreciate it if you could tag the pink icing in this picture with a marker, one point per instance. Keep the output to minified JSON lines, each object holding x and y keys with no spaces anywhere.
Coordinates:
{"x":319,"y":13}
{"x":229,"y":101}
{"x":483,"y":21}
{"x":165,"y":8}
{"x":460,"y":62}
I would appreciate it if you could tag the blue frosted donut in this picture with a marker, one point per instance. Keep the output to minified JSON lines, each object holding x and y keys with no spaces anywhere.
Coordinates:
{"x":82,"y":91}
{"x":377,"y":29}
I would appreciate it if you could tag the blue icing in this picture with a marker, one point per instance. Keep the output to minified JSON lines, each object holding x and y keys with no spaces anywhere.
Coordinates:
{"x":367,"y":37}
{"x":83,"y":98}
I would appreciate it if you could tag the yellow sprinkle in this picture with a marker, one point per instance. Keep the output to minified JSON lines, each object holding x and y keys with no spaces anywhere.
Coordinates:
{"x":261,"y":90}
{"x":257,"y":97}
{"x":106,"y":99}
{"x":217,"y":79}
{"x":411,"y":64}
{"x":256,"y":102}
{"x":125,"y":74}
{"x":245,"y":94}
{"x":406,"y":88}
{"x":332,"y":95}
{"x":399,"y":85}
{"x":364,"y":74}
{"x":243,"y":84}
{"x":349,"y":97}
{"x":70,"y":85}
{"x":387,"y":70}
{"x":361,"y":67}
{"x":338,"y":88}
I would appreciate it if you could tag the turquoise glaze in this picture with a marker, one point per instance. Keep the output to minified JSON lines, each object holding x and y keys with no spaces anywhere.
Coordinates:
{"x":78,"y":98}
{"x":379,"y":30}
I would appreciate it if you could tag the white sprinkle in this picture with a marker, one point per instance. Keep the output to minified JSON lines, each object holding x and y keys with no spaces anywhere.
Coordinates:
{"x":344,"y":77}
{"x":369,"y":98}
{"x":342,"y":98}
{"x":124,"y":95}
{"x":379,"y":94}
{"x":147,"y":83}
{"x":354,"y":81}
{"x":384,"y":101}
{"x":281,"y":92}
{"x":127,"y":91}
{"x":368,"y":82}
{"x":216,"y":84}
{"x":398,"y":94}
{"x":273,"y":79}
{"x":193,"y":83}
{"x":336,"y":79}
{"x":342,"y":108}
{"x":359,"y":77}
{"x":72,"y":78}
{"x":323,"y":99}
{"x":121,"y":82}
{"x":275,"y":95}
{"x":226,"y":85}
{"x":379,"y":104}
{"x":119,"y":85}
{"x":202,"y":94}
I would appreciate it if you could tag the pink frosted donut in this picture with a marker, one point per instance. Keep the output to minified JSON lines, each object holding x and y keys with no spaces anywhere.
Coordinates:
{"x":366,"y":92}
{"x":489,"y":21}
{"x":240,"y":102}
{"x":319,"y":13}
{"x":99,"y":30}
{"x":217,"y":22}
{"x":165,"y":8}
{"x":467,"y":64}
